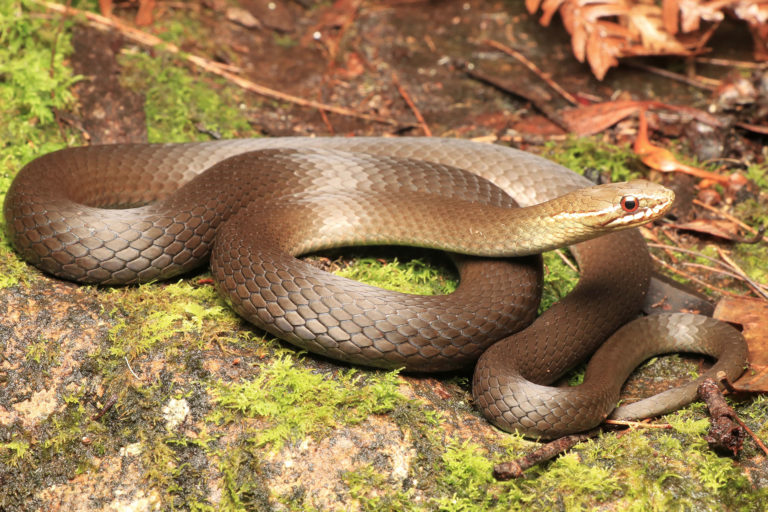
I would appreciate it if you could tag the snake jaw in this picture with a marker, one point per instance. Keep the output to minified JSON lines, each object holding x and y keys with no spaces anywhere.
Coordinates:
{"x":600,"y":209}
{"x":649,"y":207}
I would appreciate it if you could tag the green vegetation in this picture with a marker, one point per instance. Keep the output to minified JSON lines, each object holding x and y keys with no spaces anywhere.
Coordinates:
{"x":583,"y":154}
{"x":412,"y":276}
{"x":559,"y":279}
{"x":181,"y":107}
{"x":14,"y":452}
{"x":34,"y":85}
{"x":297,"y":403}
{"x":253,"y":402}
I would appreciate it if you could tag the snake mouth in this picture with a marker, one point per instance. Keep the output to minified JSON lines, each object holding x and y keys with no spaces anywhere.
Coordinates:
{"x":640,"y":217}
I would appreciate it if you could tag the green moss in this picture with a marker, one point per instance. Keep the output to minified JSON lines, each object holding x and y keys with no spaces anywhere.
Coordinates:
{"x":467,"y":480}
{"x":413,"y":276}
{"x":296,"y":402}
{"x":371,"y":489}
{"x":166,"y":318}
{"x":559,"y":280}
{"x":34,"y":84}
{"x":592,"y":153}
{"x":14,"y":452}
{"x":43,"y":353}
{"x":13,"y":271}
{"x":759,"y":174}
{"x":242,"y":473}
{"x":181,"y":107}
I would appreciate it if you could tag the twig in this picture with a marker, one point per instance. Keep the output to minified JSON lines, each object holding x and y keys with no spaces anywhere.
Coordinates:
{"x":637,"y":424}
{"x":145,"y":38}
{"x":107,"y":406}
{"x":416,"y":112}
{"x":729,"y":266}
{"x":130,"y":369}
{"x":692,"y":278}
{"x":566,"y":260}
{"x":740,"y":272}
{"x":724,"y":432}
{"x":734,"y":63}
{"x":533,"y":67}
{"x":515,"y":468}
{"x":701,"y":82}
{"x":651,"y":235}
{"x":687,"y":251}
{"x":727,"y":216}
{"x":714,"y":270}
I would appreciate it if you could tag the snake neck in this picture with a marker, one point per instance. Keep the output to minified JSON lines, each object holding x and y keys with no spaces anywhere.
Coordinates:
{"x":345,"y":218}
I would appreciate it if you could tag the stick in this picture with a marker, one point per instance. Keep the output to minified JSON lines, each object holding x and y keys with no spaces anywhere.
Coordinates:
{"x":693,"y":278}
{"x":145,"y":38}
{"x":515,"y":468}
{"x":727,"y":216}
{"x":533,"y":67}
{"x":724,"y":432}
{"x":416,"y":112}
{"x":701,"y":82}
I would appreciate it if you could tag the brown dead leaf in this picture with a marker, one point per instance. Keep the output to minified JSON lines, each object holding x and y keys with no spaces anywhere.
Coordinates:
{"x":105,"y":7}
{"x":752,"y":315}
{"x":714,"y":227}
{"x":548,"y":9}
{"x":601,"y":54}
{"x":145,"y":16}
{"x":603,"y":31}
{"x":670,"y":15}
{"x":592,"y":119}
{"x":537,"y":125}
{"x":662,"y":159}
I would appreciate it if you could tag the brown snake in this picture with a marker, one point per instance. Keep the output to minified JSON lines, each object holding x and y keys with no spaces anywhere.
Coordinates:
{"x":260,"y":202}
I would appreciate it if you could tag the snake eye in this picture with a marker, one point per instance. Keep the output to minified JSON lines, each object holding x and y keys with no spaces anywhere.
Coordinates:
{"x":630,"y":204}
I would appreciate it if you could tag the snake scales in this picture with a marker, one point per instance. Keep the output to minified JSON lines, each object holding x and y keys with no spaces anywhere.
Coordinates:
{"x":262,"y":201}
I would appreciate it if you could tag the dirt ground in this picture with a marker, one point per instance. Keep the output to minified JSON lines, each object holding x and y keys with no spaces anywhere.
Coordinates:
{"x":92,"y":419}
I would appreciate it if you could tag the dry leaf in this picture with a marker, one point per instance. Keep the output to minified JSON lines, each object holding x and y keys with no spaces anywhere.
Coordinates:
{"x":661,"y":159}
{"x":145,"y":15}
{"x":670,"y":15}
{"x":752,"y":315}
{"x":714,"y":227}
{"x":592,"y":119}
{"x":675,"y":27}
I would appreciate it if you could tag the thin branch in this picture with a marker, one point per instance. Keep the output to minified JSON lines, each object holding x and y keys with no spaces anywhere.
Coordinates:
{"x":130,"y":369}
{"x":733,"y":63}
{"x":637,"y":424}
{"x":726,"y":216}
{"x":758,"y":441}
{"x":738,"y":270}
{"x":141,"y":37}
{"x":692,"y":277}
{"x":729,"y":266}
{"x":701,"y":82}
{"x":566,"y":260}
{"x":533,"y":67}
{"x":416,"y":112}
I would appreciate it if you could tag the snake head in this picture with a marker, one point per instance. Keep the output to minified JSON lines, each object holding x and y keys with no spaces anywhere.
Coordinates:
{"x":616,"y":206}
{"x":636,"y":202}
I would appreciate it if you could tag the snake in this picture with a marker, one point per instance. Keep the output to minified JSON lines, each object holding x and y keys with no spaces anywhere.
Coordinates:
{"x":132,"y":213}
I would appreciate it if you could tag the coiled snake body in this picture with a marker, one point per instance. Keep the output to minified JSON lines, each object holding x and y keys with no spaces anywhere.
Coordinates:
{"x":262,"y":201}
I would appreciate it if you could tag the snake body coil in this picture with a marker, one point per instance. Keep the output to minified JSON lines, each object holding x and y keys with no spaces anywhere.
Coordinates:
{"x":256,"y":203}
